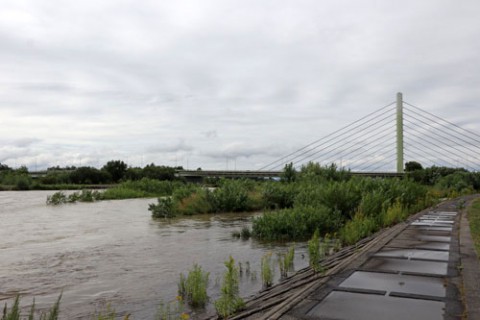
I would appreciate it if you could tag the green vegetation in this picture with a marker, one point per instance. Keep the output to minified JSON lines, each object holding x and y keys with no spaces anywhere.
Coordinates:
{"x":230,"y":300}
{"x":109,"y":314}
{"x":314,"y":253}
{"x":174,"y":310}
{"x":74,"y":178}
{"x":144,"y":188}
{"x":333,"y":202}
{"x":193,"y":288}
{"x":267,"y":270}
{"x":285,"y":261}
{"x":229,"y":196}
{"x":245,"y":233}
{"x":474,"y":221}
{"x":14,"y":313}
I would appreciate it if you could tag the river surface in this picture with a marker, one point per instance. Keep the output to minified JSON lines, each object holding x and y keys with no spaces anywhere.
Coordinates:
{"x":113,"y":252}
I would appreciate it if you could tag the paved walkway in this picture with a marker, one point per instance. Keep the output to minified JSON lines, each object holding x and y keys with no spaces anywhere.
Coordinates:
{"x":414,"y":276}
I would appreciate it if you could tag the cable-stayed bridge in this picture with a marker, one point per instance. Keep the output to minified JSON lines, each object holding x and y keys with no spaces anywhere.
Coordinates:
{"x":387,"y":138}
{"x":380,"y":143}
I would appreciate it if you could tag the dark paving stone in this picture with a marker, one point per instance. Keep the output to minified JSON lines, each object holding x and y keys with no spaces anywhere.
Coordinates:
{"x":402,"y":265}
{"x":428,"y":286}
{"x":408,"y":243}
{"x":413,"y":254}
{"x":346,"y":305}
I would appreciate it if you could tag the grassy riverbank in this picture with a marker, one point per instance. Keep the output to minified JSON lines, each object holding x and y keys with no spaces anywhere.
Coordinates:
{"x":474,"y":221}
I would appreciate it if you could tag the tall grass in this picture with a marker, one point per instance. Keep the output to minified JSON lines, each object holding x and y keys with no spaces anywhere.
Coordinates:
{"x":193,"y":287}
{"x":314,"y":253}
{"x":267,"y":271}
{"x":14,"y":313}
{"x":174,"y":310}
{"x":474,"y":221}
{"x":285,"y":261}
{"x":230,"y":300}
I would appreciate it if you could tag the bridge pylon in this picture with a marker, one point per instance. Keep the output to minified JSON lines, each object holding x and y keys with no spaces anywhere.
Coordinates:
{"x":399,"y":132}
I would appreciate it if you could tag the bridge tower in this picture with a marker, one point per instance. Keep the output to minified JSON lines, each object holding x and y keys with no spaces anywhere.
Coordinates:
{"x":399,"y":132}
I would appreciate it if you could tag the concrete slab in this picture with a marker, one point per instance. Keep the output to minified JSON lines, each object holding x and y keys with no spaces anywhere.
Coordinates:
{"x":413,"y":232}
{"x":408,"y":243}
{"x":428,"y":286}
{"x":410,"y":266}
{"x":434,"y":238}
{"x":346,"y":305}
{"x":413,"y":254}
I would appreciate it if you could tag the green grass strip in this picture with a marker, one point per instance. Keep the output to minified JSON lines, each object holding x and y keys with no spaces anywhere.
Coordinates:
{"x":474,"y":220}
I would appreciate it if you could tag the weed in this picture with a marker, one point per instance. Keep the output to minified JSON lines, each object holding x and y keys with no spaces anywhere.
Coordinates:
{"x":174,"y":310}
{"x":229,"y":301}
{"x":245,"y":233}
{"x":14,"y":313}
{"x":267,"y":270}
{"x":193,"y":288}
{"x":285,"y":261}
{"x":314,"y":252}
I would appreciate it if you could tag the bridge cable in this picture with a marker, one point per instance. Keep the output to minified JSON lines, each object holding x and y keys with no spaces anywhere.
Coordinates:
{"x":459,"y":138}
{"x":331,"y":134}
{"x":440,"y":147}
{"x":355,"y":142}
{"x":453,"y":124}
{"x":438,"y":140}
{"x":353,"y":134}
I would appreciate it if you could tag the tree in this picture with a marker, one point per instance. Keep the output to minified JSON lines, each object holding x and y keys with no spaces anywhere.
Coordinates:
{"x":413,"y":166}
{"x":116,"y":169}
{"x":89,"y":175}
{"x":4,"y":167}
{"x":289,"y":173}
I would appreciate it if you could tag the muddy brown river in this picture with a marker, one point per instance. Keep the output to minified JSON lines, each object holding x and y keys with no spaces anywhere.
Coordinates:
{"x":112,"y":252}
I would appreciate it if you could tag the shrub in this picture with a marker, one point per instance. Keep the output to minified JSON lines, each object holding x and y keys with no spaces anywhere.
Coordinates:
{"x":163,"y":209}
{"x":296,"y":224}
{"x":358,"y":228}
{"x":277,"y":195}
{"x":57,"y":198}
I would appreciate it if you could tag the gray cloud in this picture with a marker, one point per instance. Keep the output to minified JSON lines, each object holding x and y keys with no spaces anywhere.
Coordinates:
{"x":95,"y":81}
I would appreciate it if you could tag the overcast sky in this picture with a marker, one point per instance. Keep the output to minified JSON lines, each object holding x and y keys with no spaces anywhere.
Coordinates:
{"x":219,"y":83}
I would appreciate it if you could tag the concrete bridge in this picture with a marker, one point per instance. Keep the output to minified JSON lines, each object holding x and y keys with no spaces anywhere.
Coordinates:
{"x":200,"y":175}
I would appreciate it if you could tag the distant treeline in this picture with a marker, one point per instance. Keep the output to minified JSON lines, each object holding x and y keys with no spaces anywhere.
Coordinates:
{"x":112,"y":172}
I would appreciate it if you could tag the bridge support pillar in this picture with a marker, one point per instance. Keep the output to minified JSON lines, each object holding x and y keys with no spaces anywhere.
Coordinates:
{"x":399,"y":132}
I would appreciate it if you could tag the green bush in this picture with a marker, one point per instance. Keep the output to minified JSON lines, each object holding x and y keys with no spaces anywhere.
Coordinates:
{"x":163,"y":209}
{"x":296,"y":224}
{"x":276,"y":195}
{"x":358,"y":228}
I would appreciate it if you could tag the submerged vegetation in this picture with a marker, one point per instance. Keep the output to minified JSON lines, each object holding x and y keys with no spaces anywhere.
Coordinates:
{"x":230,"y":300}
{"x":14,"y":313}
{"x":193,"y":287}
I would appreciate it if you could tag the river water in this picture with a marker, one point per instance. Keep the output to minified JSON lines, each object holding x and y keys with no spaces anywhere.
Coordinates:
{"x":113,"y":252}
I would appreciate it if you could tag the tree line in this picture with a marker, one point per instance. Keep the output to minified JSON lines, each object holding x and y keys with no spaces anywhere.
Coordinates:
{"x":112,"y":172}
